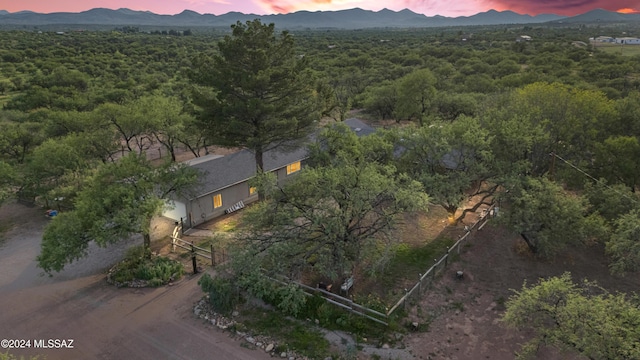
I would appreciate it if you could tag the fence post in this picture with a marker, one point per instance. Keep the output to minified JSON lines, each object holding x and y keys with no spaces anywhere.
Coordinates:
{"x":434,"y":269}
{"x":193,"y":259}
{"x":406,"y":292}
{"x":213,"y":256}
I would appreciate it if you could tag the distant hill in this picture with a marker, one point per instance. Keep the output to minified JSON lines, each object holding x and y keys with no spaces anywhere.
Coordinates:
{"x":602,"y":16}
{"x":343,"y":19}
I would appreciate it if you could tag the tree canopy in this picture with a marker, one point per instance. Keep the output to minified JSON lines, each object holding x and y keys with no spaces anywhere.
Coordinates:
{"x":118,"y":200}
{"x":582,"y":317}
{"x":334,"y":215}
{"x":256,"y":92}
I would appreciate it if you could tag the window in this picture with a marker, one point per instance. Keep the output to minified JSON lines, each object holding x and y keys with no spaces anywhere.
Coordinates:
{"x":291,"y":168}
{"x":252,"y":190}
{"x":217,"y":201}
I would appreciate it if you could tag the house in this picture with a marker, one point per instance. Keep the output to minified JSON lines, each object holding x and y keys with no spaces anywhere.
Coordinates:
{"x":225,"y":180}
{"x":603,"y":39}
{"x":628,"y":41}
{"x":522,"y":38}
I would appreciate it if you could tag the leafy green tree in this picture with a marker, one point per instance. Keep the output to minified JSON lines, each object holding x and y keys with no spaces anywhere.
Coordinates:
{"x":572,"y":118}
{"x":382,"y":100}
{"x":167,"y":120}
{"x":333,"y":212}
{"x":618,"y":160}
{"x":547,"y":217}
{"x":624,"y":245}
{"x":17,"y":140}
{"x":117,"y":201}
{"x":628,"y":121}
{"x":132,"y":126}
{"x":610,"y":201}
{"x":513,"y":140}
{"x":452,"y":160}
{"x":258,"y":93}
{"x":55,"y":169}
{"x":7,"y":179}
{"x":579,"y":317}
{"x":415,"y":95}
{"x":448,"y":106}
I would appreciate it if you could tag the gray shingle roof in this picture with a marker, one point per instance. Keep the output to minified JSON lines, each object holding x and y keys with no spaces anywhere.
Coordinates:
{"x":224,"y":171}
{"x":228,"y":170}
{"x":359,"y":127}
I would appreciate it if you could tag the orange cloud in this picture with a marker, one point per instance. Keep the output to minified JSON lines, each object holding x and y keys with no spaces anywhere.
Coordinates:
{"x":628,"y":11}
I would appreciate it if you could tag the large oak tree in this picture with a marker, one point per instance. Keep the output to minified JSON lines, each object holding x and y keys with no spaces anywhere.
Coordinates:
{"x":334,"y":215}
{"x":117,"y":201}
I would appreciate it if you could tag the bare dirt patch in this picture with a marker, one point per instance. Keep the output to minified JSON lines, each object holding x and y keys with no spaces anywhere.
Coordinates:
{"x":463,"y":316}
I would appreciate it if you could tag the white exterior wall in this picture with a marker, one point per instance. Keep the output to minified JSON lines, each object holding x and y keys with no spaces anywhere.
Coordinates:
{"x":175,"y":210}
{"x":628,"y":41}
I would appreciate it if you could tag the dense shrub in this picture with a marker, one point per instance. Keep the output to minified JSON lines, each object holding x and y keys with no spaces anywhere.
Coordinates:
{"x":222,"y":295}
{"x":139,"y":269}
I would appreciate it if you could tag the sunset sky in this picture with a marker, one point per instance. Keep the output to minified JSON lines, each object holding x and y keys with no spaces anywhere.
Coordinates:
{"x":261,"y":7}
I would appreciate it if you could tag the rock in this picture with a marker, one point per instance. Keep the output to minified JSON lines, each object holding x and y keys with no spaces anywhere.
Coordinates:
{"x":251,"y":340}
{"x":328,"y":358}
{"x":235,"y":313}
{"x":213,"y":321}
{"x":269,"y":348}
{"x":259,"y":344}
{"x":415,"y":325}
{"x":283,"y":355}
{"x":385,"y":346}
{"x":197,"y":311}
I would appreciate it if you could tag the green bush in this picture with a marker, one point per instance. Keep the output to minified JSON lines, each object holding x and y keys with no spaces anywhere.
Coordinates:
{"x":221,"y":292}
{"x":137,"y":265}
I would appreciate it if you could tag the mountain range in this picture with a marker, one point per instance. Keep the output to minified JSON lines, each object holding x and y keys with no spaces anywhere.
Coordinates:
{"x":343,"y":19}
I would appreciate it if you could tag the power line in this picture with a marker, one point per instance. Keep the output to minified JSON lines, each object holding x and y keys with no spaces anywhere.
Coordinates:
{"x":594,"y":179}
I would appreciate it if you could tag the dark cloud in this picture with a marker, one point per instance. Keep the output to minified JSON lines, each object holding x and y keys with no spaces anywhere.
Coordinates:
{"x":561,"y":7}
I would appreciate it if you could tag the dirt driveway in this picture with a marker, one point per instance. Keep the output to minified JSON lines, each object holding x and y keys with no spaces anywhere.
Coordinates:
{"x":103,"y":322}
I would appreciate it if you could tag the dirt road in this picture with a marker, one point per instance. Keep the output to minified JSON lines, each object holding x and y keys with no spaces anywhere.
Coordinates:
{"x":103,"y":322}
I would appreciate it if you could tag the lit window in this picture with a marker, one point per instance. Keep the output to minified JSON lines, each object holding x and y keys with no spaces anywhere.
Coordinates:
{"x":291,"y":168}
{"x":217,"y":201}
{"x":252,"y":190}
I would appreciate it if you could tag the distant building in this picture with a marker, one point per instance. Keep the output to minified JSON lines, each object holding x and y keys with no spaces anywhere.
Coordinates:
{"x":628,"y":41}
{"x":603,"y":39}
{"x":522,"y":38}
